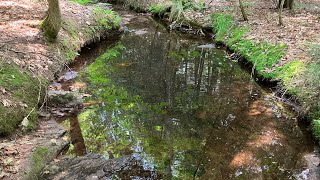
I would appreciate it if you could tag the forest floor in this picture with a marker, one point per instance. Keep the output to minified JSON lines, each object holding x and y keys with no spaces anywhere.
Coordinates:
{"x":301,"y":25}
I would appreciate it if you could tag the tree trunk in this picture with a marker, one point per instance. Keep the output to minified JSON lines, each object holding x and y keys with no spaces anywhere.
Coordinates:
{"x":244,"y":15}
{"x":287,"y":4}
{"x":52,"y":23}
{"x":280,"y":13}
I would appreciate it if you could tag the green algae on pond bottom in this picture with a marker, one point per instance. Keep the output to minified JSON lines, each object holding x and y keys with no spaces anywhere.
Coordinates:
{"x":184,"y":110}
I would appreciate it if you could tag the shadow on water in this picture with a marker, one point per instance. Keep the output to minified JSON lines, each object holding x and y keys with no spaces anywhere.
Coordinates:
{"x":184,"y":110}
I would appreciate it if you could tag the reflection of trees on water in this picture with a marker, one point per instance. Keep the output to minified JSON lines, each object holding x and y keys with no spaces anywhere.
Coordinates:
{"x":184,"y":93}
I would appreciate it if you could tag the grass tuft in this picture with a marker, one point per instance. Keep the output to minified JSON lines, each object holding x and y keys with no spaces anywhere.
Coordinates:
{"x":82,"y":2}
{"x":38,"y":160}
{"x":158,"y":9}
{"x":222,"y":24}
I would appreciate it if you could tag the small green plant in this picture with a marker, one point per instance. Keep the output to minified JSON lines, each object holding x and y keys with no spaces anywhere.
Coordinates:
{"x":107,"y":18}
{"x":263,"y":55}
{"x":158,"y":9}
{"x":136,"y":5}
{"x":176,"y":11}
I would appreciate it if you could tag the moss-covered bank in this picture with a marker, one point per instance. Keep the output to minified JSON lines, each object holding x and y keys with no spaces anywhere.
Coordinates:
{"x":22,"y":91}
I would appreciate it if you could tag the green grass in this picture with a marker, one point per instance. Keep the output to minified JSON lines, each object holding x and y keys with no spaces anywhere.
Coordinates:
{"x":236,"y":35}
{"x":158,"y":9}
{"x":106,"y":18}
{"x":312,"y":80}
{"x":23,"y":91}
{"x":288,"y":74}
{"x":222,"y":24}
{"x":136,"y":5}
{"x":83,"y":2}
{"x":262,"y":55}
{"x":316,"y":129}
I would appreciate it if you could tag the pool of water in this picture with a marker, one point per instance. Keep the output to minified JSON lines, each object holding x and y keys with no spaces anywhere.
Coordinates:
{"x":184,"y":110}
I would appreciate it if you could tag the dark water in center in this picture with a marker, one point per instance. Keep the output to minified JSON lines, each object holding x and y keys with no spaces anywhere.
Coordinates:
{"x":184,"y":110}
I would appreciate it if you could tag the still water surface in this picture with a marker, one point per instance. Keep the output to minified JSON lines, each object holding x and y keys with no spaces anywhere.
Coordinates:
{"x":184,"y":110}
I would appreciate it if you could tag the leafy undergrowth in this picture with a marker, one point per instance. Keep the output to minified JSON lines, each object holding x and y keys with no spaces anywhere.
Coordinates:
{"x":20,"y":91}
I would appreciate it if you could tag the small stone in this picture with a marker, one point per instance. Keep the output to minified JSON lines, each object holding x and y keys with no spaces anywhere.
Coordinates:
{"x":10,"y":150}
{"x":53,"y":141}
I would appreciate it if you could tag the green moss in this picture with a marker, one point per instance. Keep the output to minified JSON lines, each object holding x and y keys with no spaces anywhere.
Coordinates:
{"x":23,"y":90}
{"x":38,"y":160}
{"x":50,"y":29}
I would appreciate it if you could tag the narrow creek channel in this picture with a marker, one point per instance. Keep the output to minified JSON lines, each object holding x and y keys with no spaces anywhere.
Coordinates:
{"x":183,"y":110}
